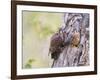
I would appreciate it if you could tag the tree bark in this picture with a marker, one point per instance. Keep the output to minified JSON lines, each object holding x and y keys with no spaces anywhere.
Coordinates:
{"x":74,"y":55}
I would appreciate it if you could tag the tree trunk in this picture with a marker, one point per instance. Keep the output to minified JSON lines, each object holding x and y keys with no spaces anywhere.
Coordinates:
{"x":73,"y":55}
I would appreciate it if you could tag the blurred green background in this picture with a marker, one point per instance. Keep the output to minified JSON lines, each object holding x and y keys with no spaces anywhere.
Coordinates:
{"x":38,"y":27}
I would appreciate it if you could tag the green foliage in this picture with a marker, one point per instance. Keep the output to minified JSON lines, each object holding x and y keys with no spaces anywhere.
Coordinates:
{"x":42,"y":23}
{"x":29,"y":63}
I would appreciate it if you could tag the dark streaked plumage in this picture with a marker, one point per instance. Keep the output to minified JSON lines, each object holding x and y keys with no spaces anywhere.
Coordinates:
{"x":56,"y":45}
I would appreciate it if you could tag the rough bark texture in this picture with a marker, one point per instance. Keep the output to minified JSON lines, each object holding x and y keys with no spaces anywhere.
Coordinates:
{"x":74,"y":53}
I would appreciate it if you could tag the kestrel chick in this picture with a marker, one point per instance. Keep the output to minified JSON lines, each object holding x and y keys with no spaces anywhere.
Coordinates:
{"x":75,"y":39}
{"x":56,"y":45}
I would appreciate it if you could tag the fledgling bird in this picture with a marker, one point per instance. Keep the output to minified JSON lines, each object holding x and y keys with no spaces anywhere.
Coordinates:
{"x":75,"y":39}
{"x":56,"y":45}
